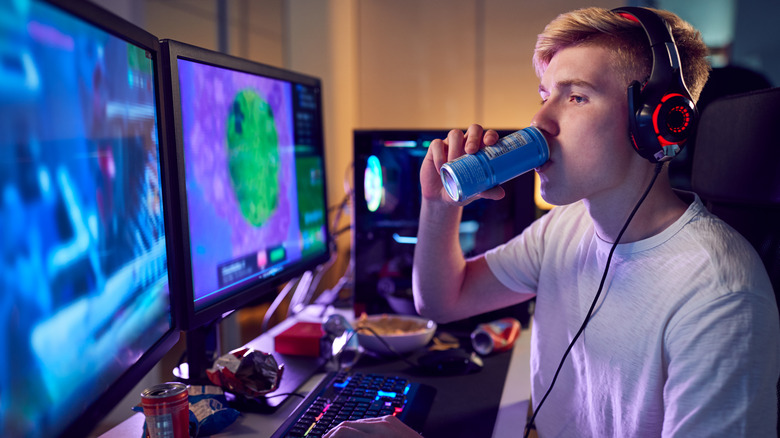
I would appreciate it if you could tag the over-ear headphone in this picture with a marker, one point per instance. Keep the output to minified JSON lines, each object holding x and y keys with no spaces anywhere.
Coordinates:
{"x":662,"y":114}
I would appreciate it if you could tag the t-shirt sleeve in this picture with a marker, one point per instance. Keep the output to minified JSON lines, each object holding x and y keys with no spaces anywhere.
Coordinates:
{"x":517,"y":263}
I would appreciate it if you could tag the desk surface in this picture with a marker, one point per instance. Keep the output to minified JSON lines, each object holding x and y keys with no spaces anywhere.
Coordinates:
{"x":510,"y":417}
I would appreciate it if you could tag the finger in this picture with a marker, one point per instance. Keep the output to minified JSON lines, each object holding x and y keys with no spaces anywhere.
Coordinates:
{"x":455,"y":142}
{"x":437,"y":151}
{"x":490,"y":138}
{"x":358,"y":428}
{"x":494,"y":193}
{"x":473,"y":139}
{"x":394,"y":422}
{"x":343,"y":430}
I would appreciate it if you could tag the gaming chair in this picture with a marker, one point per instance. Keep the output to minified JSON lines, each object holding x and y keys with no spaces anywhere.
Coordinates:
{"x":736,"y":171}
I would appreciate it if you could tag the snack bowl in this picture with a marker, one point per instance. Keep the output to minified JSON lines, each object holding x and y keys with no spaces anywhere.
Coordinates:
{"x":403,"y":333}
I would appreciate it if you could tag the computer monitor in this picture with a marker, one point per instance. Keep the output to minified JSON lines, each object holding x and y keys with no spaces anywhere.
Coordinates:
{"x":386,"y":210}
{"x":251,"y":185}
{"x":84,"y":307}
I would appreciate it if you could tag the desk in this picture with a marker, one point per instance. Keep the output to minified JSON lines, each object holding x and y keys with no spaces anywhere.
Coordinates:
{"x":510,"y":418}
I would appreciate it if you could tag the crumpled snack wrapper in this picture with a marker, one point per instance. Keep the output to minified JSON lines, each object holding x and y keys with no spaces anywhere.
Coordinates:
{"x":246,"y":372}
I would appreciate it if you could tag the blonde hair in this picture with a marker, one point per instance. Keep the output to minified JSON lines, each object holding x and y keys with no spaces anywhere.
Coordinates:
{"x":628,"y":43}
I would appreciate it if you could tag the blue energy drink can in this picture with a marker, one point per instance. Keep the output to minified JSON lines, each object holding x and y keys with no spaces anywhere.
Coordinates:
{"x":511,"y":156}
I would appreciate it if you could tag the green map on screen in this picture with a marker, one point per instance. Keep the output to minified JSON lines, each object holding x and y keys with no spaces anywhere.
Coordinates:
{"x":253,"y":150}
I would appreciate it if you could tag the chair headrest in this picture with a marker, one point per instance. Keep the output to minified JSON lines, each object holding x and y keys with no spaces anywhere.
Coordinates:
{"x":737,"y":149}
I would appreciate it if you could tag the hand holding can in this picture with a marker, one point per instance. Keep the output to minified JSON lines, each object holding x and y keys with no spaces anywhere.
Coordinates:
{"x":512,"y":156}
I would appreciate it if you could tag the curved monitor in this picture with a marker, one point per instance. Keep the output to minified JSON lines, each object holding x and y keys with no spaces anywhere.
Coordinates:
{"x":251,"y":179}
{"x":84,"y":308}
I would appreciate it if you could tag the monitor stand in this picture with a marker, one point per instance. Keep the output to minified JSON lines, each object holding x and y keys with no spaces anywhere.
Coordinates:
{"x":203,"y":348}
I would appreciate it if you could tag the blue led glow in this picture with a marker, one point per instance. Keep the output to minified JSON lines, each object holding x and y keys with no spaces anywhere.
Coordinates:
{"x":342,"y":384}
{"x":385,"y":394}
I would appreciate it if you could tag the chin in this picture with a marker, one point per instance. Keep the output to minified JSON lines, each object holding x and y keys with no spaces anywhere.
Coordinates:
{"x":546,"y":193}
{"x":553,"y":198}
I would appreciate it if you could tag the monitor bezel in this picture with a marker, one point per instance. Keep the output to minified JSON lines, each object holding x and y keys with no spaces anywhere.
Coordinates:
{"x":188,"y":317}
{"x":120,"y":388}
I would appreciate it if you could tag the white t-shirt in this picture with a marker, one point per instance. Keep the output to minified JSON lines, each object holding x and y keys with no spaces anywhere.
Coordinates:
{"x":684,"y":341}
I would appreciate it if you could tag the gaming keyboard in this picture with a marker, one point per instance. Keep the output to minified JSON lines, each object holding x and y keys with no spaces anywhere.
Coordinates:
{"x":353,"y":395}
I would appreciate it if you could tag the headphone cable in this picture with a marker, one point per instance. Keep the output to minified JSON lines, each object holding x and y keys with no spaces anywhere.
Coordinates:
{"x":531,"y":423}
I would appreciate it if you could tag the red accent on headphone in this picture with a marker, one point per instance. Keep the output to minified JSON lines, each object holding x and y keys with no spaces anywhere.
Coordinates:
{"x":629,"y":16}
{"x":684,"y":114}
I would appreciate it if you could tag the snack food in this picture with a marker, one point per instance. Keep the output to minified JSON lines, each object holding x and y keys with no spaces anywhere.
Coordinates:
{"x":394,"y":334}
{"x":388,"y":325}
{"x":246,"y":372}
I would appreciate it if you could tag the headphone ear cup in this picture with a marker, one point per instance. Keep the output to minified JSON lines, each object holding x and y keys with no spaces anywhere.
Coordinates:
{"x":675,"y":119}
{"x":639,"y":124}
{"x":658,"y":130}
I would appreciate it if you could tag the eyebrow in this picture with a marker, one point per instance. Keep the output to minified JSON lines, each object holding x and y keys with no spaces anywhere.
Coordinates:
{"x":569,"y":83}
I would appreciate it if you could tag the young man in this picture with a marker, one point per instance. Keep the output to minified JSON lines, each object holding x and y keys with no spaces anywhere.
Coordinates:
{"x":684,"y":337}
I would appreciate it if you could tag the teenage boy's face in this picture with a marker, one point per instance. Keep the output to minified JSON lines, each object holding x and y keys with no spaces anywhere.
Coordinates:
{"x":584,"y":116}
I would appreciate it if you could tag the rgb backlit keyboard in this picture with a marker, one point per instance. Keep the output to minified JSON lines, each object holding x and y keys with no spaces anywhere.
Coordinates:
{"x":352,"y":395}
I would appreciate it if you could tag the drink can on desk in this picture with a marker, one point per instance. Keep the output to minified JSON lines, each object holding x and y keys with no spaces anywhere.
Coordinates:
{"x":167,"y":410}
{"x":511,"y":156}
{"x":493,"y":337}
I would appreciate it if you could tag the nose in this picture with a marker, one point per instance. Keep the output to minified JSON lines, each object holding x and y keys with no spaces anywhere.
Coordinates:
{"x":545,"y":119}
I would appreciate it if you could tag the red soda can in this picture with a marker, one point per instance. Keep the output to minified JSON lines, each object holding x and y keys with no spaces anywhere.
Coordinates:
{"x":167,"y":410}
{"x":496,"y":336}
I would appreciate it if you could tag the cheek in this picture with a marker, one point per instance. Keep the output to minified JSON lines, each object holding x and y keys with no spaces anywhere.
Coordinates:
{"x":613,"y":133}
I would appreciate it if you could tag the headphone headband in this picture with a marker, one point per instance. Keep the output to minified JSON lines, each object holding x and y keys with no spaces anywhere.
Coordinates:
{"x":662,"y":114}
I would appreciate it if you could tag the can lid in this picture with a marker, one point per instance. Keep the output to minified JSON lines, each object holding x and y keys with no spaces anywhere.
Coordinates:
{"x":164,"y":390}
{"x":451,"y":183}
{"x":482,"y":342}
